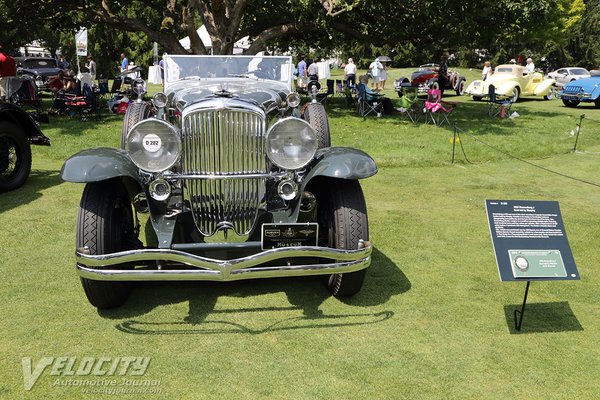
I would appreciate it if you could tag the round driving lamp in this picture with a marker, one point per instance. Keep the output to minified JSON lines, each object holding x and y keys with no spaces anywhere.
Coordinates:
{"x":293,"y":99}
{"x":159,"y":100}
{"x":153,"y":145}
{"x":291,"y":143}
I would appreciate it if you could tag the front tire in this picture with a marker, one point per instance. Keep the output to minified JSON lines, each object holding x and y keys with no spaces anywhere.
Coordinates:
{"x":460,"y":87}
{"x":105,"y":225}
{"x":570,"y":103}
{"x":135,"y":113}
{"x":514,"y":95}
{"x":552,"y":94}
{"x":342,"y":217}
{"x":316,"y":116}
{"x":15,"y":157}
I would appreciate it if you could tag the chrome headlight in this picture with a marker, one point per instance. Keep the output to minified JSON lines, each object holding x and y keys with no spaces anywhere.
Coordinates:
{"x":153,"y":145}
{"x":292,"y":143}
{"x":159,"y":100}
{"x":293,"y":99}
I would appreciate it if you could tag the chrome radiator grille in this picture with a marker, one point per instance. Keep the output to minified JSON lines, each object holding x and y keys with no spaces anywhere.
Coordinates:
{"x":224,"y":142}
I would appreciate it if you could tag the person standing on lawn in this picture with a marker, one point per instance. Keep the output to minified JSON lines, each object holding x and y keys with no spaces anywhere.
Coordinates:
{"x":375,"y":68}
{"x":8,"y":68}
{"x":443,"y":72}
{"x":350,"y":74}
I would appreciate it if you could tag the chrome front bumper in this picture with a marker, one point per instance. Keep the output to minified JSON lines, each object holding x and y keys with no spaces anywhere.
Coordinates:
{"x":208,"y":269}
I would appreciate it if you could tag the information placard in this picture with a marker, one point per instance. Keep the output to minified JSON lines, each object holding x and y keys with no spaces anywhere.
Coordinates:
{"x":530,"y":241}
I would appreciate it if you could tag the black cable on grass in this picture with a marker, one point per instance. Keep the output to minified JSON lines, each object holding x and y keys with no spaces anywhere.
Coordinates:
{"x":591,"y":120}
{"x":528,"y":162}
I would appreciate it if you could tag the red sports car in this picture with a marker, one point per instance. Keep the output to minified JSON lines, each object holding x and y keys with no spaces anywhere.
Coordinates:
{"x":426,"y":77}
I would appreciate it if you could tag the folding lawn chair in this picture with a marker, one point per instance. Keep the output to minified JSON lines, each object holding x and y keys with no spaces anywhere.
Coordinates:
{"x":368,"y":103}
{"x":339,"y":87}
{"x":84,"y":105}
{"x":322,"y":97}
{"x":410,"y":106}
{"x":496,"y":104}
{"x":436,"y":109}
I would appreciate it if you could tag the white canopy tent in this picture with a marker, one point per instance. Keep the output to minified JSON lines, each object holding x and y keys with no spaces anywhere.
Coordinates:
{"x":238,"y":47}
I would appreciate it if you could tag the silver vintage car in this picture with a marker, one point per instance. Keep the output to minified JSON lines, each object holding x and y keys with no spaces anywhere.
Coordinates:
{"x":239,"y":182}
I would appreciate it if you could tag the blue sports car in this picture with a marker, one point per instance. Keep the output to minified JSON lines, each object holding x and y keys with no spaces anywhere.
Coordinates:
{"x":582,"y":90}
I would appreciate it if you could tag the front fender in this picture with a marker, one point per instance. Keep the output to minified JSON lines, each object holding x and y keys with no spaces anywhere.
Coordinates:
{"x":15,"y":114}
{"x":544,"y":87}
{"x":343,"y":163}
{"x":505,"y":89}
{"x":333,"y":162}
{"x":100,"y":164}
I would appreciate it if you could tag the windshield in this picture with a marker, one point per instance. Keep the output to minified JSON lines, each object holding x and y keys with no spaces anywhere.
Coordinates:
{"x":272,"y":68}
{"x":579,"y":71}
{"x":39,"y":63}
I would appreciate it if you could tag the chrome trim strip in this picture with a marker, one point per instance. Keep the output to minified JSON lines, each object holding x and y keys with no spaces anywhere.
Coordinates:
{"x":272,"y":175}
{"x":221,"y":270}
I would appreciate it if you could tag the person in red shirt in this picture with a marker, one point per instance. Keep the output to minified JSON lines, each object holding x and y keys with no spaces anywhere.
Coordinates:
{"x":7,"y":68}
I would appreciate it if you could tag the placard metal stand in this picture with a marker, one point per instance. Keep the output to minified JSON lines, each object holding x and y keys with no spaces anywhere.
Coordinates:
{"x":519,"y":313}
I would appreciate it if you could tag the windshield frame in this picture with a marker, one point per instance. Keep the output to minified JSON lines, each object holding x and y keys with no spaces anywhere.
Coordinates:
{"x":175,"y":64}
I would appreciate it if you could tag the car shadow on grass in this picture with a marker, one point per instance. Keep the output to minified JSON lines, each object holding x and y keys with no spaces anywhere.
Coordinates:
{"x":543,"y":317}
{"x":38,"y":181}
{"x":305,"y":296}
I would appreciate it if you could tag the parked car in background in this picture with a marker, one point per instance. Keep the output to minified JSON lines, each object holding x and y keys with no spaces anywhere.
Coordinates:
{"x":562,"y":76}
{"x":585,"y":90}
{"x":513,"y":81}
{"x":18,"y":131}
{"x":426,"y":77}
{"x":239,"y":181}
{"x":39,"y":68}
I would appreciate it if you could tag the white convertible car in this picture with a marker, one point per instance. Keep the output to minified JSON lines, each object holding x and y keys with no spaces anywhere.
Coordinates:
{"x":513,"y":81}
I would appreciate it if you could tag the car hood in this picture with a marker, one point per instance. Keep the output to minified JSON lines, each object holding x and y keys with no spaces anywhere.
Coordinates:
{"x":587,"y":84}
{"x":45,"y":72}
{"x":418,"y":74}
{"x":268,"y":95}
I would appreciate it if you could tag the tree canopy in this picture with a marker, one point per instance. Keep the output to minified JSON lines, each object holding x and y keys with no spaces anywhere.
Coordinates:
{"x":410,"y":31}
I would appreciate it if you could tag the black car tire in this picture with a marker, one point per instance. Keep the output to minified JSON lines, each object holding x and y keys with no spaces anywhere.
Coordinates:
{"x":316,"y":116}
{"x":105,"y":225}
{"x":597,"y":102}
{"x":570,"y":103}
{"x":135,"y":113}
{"x":15,"y":157}
{"x":460,"y":87}
{"x":342,"y":217}
{"x":477,"y":98}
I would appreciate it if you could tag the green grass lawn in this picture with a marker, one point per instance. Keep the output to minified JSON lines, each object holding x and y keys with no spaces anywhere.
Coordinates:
{"x":432,"y":321}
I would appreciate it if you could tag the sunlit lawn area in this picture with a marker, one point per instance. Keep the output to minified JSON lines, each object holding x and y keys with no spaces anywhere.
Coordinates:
{"x":432,"y":321}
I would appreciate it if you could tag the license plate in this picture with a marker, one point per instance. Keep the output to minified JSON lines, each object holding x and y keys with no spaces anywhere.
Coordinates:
{"x":275,"y":236}
{"x":476,"y":83}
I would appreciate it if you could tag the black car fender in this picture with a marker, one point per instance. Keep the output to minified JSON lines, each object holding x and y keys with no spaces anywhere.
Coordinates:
{"x":13,"y":113}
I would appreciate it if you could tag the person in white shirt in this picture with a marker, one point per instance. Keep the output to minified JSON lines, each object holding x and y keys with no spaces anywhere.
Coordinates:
{"x":375,"y":68}
{"x":487,"y":71}
{"x":383,"y":75}
{"x":313,"y":71}
{"x":350,"y":74}
{"x":530,"y":66}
